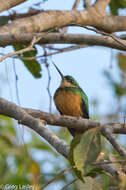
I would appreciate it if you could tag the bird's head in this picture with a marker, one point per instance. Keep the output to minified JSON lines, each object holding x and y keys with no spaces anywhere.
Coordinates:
{"x":67,"y":81}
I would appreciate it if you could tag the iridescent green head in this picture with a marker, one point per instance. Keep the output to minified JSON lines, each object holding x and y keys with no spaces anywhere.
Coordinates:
{"x":67,"y":81}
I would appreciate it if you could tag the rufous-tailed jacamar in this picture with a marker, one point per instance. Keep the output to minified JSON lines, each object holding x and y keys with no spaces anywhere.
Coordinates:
{"x":70,"y":99}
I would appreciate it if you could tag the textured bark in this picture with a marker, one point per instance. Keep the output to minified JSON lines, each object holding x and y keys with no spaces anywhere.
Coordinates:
{"x":12,"y":110}
{"x":7,"y":4}
{"x":59,"y":38}
{"x":76,"y":123}
{"x":20,"y":31}
{"x":48,"y":20}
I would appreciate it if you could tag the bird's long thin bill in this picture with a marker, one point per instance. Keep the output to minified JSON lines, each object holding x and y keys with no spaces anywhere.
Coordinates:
{"x":58,"y":71}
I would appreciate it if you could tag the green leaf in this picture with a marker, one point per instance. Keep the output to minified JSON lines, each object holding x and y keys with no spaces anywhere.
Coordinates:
{"x":32,"y":65}
{"x":122,"y":62}
{"x":116,"y":4}
{"x":84,"y":150}
{"x":3,"y":20}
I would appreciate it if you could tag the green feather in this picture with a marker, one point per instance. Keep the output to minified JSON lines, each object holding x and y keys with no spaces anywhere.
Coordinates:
{"x":72,"y":80}
{"x":78,"y":90}
{"x":85,"y":99}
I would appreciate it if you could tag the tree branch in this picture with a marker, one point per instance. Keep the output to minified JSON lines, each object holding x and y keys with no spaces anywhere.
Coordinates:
{"x":101,"y":5}
{"x":107,"y":132}
{"x":48,"y":20}
{"x":59,"y":38}
{"x":67,"y":185}
{"x":12,"y":110}
{"x":26,"y":117}
{"x":87,"y":3}
{"x":82,"y":125}
{"x":5,"y":5}
{"x":110,"y":169}
{"x":76,"y":4}
{"x":29,"y":48}
{"x":79,"y":124}
{"x":63,"y":50}
{"x":56,"y":177}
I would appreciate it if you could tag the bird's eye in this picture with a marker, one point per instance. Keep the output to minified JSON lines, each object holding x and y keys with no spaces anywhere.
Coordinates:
{"x":71,"y":81}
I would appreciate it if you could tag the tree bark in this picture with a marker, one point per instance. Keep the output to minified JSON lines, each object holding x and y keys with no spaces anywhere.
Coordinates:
{"x":60,"y":38}
{"x":7,"y":4}
{"x":48,"y":20}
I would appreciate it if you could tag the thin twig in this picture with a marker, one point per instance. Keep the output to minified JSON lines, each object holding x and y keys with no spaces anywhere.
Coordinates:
{"x":108,"y":162}
{"x":16,"y":82}
{"x":107,"y":132}
{"x":71,"y":182}
{"x":87,"y":3}
{"x":48,"y":89}
{"x":49,"y":80}
{"x":76,"y":4}
{"x":118,"y":40}
{"x":111,"y":170}
{"x":57,"y":176}
{"x":71,"y":48}
{"x":29,"y":48}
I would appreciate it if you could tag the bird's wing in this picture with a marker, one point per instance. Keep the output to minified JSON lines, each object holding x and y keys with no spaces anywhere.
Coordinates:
{"x":84,"y":104}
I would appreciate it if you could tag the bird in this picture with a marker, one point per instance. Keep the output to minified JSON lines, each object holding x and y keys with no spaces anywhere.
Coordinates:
{"x":70,"y":99}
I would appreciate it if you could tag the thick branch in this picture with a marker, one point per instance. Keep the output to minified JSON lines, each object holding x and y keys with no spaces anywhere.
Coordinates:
{"x":12,"y":110}
{"x":58,"y":38}
{"x":74,"y":122}
{"x":24,"y":116}
{"x":5,"y":5}
{"x":83,"y":125}
{"x":47,"y":20}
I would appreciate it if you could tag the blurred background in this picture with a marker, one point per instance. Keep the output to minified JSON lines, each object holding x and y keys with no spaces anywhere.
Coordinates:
{"x":25,"y":158}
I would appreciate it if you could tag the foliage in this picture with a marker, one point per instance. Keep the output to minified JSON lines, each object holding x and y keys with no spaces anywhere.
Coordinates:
{"x":3,"y":20}
{"x":115,"y":5}
{"x":82,"y":154}
{"x":32,"y":65}
{"x":18,"y":162}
